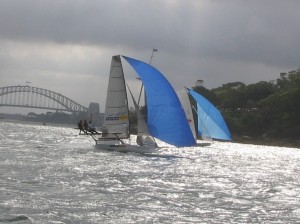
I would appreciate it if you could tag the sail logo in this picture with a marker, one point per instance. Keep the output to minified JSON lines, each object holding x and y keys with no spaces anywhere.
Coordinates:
{"x":117,"y":117}
{"x":123,"y":117}
{"x":112,"y":118}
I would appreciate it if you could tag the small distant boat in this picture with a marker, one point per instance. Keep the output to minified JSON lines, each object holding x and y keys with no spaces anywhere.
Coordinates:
{"x":210,"y":123}
{"x":211,"y":120}
{"x":166,"y":119}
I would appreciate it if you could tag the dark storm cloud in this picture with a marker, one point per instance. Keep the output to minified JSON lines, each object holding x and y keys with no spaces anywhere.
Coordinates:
{"x":90,"y":22}
{"x":265,"y":32}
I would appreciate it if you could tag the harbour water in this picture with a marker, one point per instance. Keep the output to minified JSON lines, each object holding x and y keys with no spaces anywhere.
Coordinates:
{"x":49,"y":174}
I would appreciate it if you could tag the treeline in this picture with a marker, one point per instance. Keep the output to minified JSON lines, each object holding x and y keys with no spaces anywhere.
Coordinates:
{"x":260,"y":111}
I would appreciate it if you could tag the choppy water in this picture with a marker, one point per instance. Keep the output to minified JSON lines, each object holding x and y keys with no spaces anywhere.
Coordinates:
{"x":51,"y":175}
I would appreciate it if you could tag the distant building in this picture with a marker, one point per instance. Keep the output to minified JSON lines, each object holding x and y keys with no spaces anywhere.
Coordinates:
{"x":199,"y":82}
{"x":94,"y":115}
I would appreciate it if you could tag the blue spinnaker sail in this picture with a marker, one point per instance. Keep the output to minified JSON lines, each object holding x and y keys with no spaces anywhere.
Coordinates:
{"x":210,"y":118}
{"x":166,"y":118}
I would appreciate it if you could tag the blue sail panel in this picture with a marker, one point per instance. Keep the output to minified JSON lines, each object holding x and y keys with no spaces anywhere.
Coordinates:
{"x":166,"y":117}
{"x":210,"y":118}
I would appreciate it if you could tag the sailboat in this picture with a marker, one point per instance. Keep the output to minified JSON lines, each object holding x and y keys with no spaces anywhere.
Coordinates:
{"x":115,"y":127}
{"x":166,"y":119}
{"x":211,"y":124}
{"x":205,"y":140}
{"x":115,"y":130}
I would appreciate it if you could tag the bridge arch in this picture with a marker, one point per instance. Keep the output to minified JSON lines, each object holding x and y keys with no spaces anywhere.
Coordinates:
{"x":34,"y":97}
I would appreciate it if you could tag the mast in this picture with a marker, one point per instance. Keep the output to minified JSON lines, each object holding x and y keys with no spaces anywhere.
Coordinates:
{"x":142,"y":86}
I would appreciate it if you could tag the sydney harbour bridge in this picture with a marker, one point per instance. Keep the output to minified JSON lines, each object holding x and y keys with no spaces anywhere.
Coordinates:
{"x":34,"y":97}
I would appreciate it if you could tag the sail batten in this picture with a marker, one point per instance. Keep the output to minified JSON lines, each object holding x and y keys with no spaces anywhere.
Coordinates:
{"x":166,"y":118}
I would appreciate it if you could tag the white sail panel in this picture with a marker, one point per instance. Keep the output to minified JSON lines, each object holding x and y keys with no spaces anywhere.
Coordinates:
{"x":186,"y":104}
{"x":116,"y":117}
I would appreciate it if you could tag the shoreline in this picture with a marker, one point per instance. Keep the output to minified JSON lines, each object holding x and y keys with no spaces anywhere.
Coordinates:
{"x":289,"y":143}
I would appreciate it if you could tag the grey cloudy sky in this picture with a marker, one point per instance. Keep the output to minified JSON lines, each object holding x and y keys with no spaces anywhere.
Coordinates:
{"x":66,"y":45}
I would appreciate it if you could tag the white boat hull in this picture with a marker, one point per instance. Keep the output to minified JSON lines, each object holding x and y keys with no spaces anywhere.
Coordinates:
{"x":118,"y":146}
{"x":203,"y":144}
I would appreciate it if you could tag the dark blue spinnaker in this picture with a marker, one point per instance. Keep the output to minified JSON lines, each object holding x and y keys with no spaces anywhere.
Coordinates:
{"x":210,"y":118}
{"x":166,"y":119}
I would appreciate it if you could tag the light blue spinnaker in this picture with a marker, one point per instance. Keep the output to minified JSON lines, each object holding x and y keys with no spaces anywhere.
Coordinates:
{"x":165,"y":116}
{"x":210,"y":118}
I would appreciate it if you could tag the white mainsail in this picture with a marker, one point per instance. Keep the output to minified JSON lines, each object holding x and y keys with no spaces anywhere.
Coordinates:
{"x":205,"y":135}
{"x":116,"y":117}
{"x":186,"y":104}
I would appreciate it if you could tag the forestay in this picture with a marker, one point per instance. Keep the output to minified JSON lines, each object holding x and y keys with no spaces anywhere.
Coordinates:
{"x":143,"y":135}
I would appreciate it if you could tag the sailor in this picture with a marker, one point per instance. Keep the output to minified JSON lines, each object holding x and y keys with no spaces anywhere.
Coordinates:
{"x":85,"y":126}
{"x":104,"y":131}
{"x":91,"y":128}
{"x":80,"y":126}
